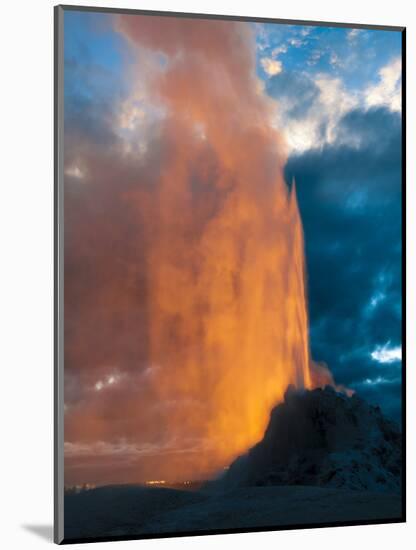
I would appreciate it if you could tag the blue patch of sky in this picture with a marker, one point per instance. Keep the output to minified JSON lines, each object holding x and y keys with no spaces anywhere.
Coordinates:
{"x":94,"y":56}
{"x":355,"y":57}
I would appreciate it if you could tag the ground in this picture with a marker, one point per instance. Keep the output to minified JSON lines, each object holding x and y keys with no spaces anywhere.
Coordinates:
{"x":133,"y":510}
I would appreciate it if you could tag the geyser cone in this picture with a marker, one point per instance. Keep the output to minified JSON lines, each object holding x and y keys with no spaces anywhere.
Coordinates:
{"x":228,"y":323}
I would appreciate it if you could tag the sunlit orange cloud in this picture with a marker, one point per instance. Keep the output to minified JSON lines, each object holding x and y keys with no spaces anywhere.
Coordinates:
{"x":185,"y":268}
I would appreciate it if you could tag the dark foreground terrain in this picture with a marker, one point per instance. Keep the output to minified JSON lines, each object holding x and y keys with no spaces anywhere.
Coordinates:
{"x":325,"y":458}
{"x":129,"y":510}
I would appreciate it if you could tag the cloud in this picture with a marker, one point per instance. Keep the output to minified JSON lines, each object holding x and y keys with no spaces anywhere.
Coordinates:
{"x":74,"y":171}
{"x":320,"y":85}
{"x":335,"y":61}
{"x":363,"y":128}
{"x":271,"y":66}
{"x":386,"y":354}
{"x":310,"y":108}
{"x":314,"y":57}
{"x":295,"y":93}
{"x":127,"y":450}
{"x":353,"y":34}
{"x":278,"y":50}
{"x":380,"y":380}
{"x":109,"y":381}
{"x":387,"y":92}
{"x":335,"y":101}
{"x":295,"y":42}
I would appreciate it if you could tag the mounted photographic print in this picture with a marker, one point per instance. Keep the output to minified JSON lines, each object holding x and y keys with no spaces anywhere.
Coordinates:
{"x":229,"y":253}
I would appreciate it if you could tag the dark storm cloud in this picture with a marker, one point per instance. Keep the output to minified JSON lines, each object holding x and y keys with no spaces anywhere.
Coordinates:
{"x":350,"y":200}
{"x":388,"y":394}
{"x":377,"y":128}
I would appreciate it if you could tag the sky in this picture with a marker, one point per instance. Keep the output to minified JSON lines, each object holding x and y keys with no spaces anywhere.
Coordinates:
{"x":336,"y":97}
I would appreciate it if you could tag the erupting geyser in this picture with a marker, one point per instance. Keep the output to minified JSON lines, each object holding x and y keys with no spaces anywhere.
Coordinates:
{"x":224,"y":251}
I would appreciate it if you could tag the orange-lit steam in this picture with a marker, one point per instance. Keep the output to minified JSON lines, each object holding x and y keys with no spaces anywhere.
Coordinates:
{"x":225,"y":267}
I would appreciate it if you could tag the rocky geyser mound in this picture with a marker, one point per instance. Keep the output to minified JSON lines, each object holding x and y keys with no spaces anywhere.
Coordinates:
{"x":323,"y":438}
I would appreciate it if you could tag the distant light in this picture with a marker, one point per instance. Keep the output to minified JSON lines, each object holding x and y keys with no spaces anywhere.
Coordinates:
{"x":384,"y":354}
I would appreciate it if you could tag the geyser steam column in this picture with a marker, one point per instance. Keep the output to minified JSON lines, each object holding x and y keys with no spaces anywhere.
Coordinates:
{"x":228,"y":324}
